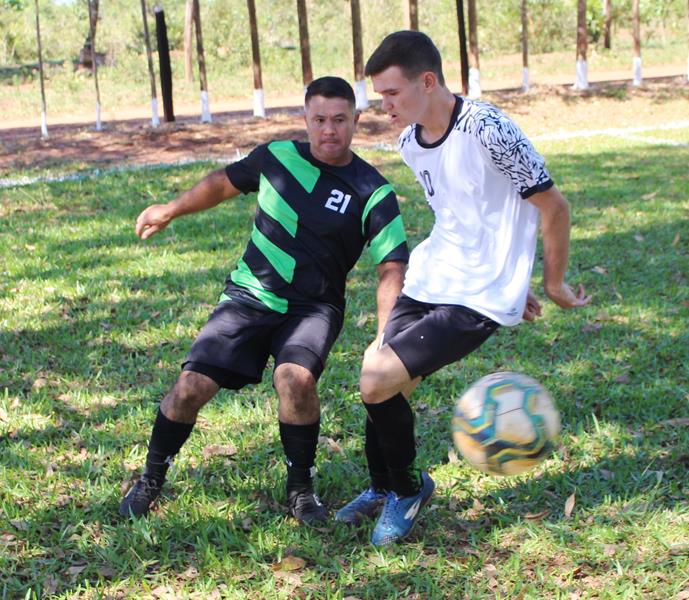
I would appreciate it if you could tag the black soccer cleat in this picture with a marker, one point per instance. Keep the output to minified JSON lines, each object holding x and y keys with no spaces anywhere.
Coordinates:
{"x":305,"y":506}
{"x":140,"y":498}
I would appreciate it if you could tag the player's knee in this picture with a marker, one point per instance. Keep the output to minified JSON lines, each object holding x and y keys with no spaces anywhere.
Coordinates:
{"x":190,"y":393}
{"x":370,"y":384}
{"x":294,"y":380}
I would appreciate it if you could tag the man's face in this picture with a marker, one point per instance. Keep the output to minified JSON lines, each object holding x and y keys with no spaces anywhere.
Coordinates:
{"x":330,"y":125}
{"x":403,"y":99}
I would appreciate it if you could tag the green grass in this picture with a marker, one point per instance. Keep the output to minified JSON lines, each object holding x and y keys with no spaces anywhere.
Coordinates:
{"x":94,"y":324}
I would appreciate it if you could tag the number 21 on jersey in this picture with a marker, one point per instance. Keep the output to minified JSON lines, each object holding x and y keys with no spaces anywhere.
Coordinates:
{"x":338,"y":201}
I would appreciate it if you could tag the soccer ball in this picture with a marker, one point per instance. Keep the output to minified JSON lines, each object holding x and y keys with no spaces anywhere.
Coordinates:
{"x":505,"y":423}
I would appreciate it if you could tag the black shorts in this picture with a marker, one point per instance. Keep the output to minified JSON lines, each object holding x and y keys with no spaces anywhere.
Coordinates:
{"x":427,"y":337}
{"x":234,"y":345}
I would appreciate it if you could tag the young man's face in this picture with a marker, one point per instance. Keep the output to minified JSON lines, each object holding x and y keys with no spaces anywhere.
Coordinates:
{"x":330,"y":125}
{"x":403,"y":99}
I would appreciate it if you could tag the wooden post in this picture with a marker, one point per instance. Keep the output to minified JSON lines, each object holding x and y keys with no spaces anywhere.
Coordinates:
{"x":463,"y":58}
{"x":164,"y":64}
{"x":525,"y":45}
{"x":474,"y":72}
{"x":259,"y":105}
{"x":359,"y":79}
{"x":414,"y":15}
{"x":93,"y":16}
{"x":636,"y":32}
{"x":44,"y":117}
{"x":607,"y":23}
{"x":205,"y":110}
{"x":688,"y":39}
{"x":188,"y":49}
{"x":581,"y":81}
{"x":304,"y":46}
{"x":155,"y":121}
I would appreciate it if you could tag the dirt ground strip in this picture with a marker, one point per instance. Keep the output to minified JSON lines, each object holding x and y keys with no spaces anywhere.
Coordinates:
{"x":545,"y":109}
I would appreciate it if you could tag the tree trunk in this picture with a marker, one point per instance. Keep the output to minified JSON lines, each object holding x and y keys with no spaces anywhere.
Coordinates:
{"x":304,"y":45}
{"x":93,"y":16}
{"x":474,"y":73}
{"x":636,"y":32}
{"x":581,"y":82}
{"x":259,"y":105}
{"x":188,"y":48}
{"x":359,"y":79}
{"x":155,"y":121}
{"x":688,"y":39}
{"x":463,"y":58}
{"x":164,"y":65}
{"x":205,"y":110}
{"x":607,"y":25}
{"x":414,"y":15}
{"x":525,"y":45}
{"x":44,"y":118}
{"x":86,"y":55}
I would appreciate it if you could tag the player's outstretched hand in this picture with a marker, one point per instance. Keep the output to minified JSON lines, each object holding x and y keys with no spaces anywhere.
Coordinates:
{"x":532,"y":308}
{"x":566,"y":297}
{"x":152,"y":220}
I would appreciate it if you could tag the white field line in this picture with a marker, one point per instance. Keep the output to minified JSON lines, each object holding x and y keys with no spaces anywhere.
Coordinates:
{"x":627,"y":133}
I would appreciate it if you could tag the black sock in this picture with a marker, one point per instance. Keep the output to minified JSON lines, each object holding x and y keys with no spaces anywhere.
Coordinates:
{"x":299,"y":443}
{"x":377,"y":468}
{"x":166,"y":440}
{"x":393,"y":420}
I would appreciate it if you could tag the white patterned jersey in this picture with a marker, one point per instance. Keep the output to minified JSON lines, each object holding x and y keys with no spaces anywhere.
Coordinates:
{"x":476,"y":178}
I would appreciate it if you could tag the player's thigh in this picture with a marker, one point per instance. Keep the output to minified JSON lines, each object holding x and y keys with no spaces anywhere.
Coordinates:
{"x":233,"y":346}
{"x":305,"y":339}
{"x":442,"y":334}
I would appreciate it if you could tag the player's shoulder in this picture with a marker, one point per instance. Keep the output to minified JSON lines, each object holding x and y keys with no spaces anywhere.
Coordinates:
{"x":476,"y":118}
{"x":365,"y":176}
{"x":407,"y":136}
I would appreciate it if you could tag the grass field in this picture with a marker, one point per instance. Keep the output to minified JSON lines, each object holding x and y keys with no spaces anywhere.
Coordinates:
{"x":94,"y":324}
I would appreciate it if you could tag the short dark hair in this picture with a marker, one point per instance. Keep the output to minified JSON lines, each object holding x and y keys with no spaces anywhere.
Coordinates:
{"x":412,"y":51}
{"x":330,"y":87}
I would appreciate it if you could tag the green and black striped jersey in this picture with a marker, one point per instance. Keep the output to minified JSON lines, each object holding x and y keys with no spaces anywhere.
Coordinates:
{"x":312,"y":223}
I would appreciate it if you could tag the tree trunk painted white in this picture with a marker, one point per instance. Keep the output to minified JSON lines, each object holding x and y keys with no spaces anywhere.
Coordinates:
{"x":259,"y":105}
{"x":205,"y":109}
{"x":360,"y":94}
{"x":582,"y":76}
{"x":155,"y":120}
{"x":474,"y":83}
{"x":636,"y":71}
{"x":525,"y":79}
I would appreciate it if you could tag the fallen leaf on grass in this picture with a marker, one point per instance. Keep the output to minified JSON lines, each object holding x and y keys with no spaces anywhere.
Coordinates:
{"x":679,"y":549}
{"x":452,"y":455}
{"x":639,"y":238}
{"x":675,"y":241}
{"x":609,"y":549}
{"x":20,"y":524}
{"x":591,"y":327}
{"x":50,"y":585}
{"x":624,"y":378}
{"x":682,"y":421}
{"x":537,"y":516}
{"x":650,"y":195}
{"x":331,"y":445}
{"x":39,"y":384}
{"x":569,"y":505}
{"x":683,"y":595}
{"x":218,"y":450}
{"x":600,"y":270}
{"x":106,"y":572}
{"x":191,"y":573}
{"x":76,"y":569}
{"x":290,"y":563}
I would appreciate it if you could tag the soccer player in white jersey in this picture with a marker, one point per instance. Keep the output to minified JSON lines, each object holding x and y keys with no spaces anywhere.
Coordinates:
{"x":488,"y":189}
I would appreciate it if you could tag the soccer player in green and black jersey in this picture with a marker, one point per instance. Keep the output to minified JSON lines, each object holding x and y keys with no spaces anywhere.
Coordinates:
{"x":319,"y":205}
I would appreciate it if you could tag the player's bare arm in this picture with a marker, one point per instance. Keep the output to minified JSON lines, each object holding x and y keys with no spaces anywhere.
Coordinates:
{"x":555,"y":225}
{"x":390,"y":280}
{"x":207,"y":193}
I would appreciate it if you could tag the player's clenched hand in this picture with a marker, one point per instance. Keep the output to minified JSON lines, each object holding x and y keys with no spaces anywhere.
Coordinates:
{"x":566,"y":297}
{"x":532,"y":308}
{"x":152,"y":220}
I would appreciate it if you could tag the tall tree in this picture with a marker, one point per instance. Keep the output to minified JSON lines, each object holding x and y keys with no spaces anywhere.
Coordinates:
{"x":607,"y":23}
{"x":259,"y":102}
{"x":44,"y":117}
{"x":304,"y":45}
{"x":636,"y":32}
{"x":93,"y":16}
{"x":188,"y":46}
{"x":155,"y":121}
{"x":688,"y":39}
{"x":358,"y":47}
{"x":205,"y":110}
{"x":474,"y":72}
{"x":525,"y":45}
{"x":463,"y":56}
{"x":414,"y":15}
{"x":582,"y":80}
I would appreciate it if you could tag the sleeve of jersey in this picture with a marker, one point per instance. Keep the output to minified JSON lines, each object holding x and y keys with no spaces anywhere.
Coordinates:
{"x":383,"y":228}
{"x":245,"y":173}
{"x":514,"y":155}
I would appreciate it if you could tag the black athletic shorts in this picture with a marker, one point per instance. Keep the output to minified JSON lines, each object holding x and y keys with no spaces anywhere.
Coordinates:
{"x":427,"y":337}
{"x":234,"y":345}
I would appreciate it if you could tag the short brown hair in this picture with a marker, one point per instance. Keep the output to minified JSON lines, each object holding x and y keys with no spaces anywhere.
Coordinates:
{"x":412,"y":51}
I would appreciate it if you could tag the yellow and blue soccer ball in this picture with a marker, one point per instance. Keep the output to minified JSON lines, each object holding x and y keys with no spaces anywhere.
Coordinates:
{"x":505,"y":423}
